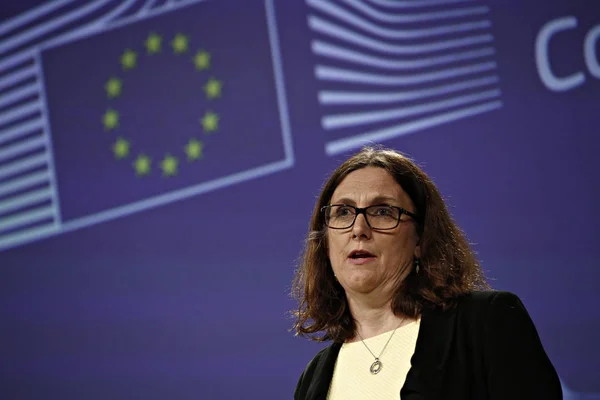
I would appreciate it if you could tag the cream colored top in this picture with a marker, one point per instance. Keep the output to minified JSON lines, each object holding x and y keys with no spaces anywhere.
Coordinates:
{"x":352,"y":378}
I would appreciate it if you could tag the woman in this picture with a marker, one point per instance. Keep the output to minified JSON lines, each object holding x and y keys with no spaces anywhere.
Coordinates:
{"x":388,"y":277}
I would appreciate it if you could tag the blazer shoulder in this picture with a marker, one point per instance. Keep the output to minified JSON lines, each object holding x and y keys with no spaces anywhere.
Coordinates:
{"x":475,"y":308}
{"x":478,"y":302}
{"x":516,"y":363}
{"x":314,"y":362}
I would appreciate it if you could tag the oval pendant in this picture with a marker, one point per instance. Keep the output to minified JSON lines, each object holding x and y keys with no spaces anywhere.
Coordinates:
{"x":376,"y":367}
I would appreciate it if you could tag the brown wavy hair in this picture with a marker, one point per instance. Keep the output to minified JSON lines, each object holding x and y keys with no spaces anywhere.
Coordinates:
{"x":448,"y":266}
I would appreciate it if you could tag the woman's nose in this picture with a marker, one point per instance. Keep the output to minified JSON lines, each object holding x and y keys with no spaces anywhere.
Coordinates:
{"x":361,"y":227}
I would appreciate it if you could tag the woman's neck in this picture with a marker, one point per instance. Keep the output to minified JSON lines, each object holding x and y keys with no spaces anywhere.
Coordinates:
{"x":373,"y":319}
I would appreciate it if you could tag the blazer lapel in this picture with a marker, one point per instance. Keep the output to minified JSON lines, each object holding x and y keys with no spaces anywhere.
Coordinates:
{"x":436,"y":334}
{"x":323,"y":374}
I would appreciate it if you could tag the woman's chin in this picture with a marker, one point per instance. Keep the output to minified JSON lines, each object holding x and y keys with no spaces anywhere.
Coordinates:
{"x":362,"y":282}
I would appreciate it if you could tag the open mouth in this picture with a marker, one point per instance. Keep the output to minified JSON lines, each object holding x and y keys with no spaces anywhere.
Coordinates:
{"x":358,"y":254}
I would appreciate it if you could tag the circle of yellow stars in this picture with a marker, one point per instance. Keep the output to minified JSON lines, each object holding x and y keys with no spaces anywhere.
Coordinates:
{"x":209,"y":122}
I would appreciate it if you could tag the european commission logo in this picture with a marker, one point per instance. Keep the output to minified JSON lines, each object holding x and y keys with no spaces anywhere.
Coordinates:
{"x":387,"y":68}
{"x":137,"y":107}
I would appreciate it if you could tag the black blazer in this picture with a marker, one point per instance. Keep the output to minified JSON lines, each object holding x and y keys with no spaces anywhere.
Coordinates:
{"x":485,"y":348}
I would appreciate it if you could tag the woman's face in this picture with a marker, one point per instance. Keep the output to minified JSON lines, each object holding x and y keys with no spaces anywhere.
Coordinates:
{"x":391,"y":252}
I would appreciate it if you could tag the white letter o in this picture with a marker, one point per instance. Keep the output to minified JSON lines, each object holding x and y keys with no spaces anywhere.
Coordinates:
{"x":589,"y":51}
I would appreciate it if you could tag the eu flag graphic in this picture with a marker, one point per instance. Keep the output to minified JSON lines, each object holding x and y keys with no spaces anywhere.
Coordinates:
{"x":158,"y":109}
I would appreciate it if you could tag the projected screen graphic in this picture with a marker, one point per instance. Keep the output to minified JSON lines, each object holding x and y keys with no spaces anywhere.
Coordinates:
{"x":159,"y":161}
{"x":172,"y":60}
{"x":406,"y":80}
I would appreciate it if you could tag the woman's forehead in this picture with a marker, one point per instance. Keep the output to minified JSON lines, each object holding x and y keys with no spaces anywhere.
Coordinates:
{"x":369,"y":184}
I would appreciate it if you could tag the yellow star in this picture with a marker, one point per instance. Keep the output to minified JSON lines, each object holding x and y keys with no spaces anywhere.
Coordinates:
{"x":180,"y":43}
{"x":129,"y":59}
{"x":121,"y":148}
{"x":169,"y":165}
{"x":213,"y":88}
{"x":153,"y":43}
{"x":142,"y":165}
{"x":110,"y":119}
{"x":202,"y":60}
{"x":210,"y":121}
{"x":194,"y":149}
{"x":113,"y":87}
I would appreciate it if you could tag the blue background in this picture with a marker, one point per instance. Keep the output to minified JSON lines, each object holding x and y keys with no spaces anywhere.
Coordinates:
{"x":189,"y":299}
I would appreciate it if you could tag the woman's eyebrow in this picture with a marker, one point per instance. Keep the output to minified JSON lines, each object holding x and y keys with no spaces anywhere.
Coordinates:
{"x":384,"y":199}
{"x":376,"y":200}
{"x":344,"y":200}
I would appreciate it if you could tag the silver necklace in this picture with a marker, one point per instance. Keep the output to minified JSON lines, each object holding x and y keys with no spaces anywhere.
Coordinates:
{"x":377,"y":364}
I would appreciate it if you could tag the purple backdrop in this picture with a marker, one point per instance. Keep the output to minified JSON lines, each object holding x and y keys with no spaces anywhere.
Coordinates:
{"x":118,"y":286}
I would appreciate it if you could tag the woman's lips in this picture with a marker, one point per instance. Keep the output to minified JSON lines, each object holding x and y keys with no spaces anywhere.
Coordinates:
{"x":361,"y":260}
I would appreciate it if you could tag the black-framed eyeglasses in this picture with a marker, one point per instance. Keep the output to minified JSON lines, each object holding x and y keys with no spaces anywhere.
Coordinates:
{"x":380,"y":217}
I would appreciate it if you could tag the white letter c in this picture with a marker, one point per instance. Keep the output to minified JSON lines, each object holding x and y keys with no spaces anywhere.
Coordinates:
{"x":542,"y":58}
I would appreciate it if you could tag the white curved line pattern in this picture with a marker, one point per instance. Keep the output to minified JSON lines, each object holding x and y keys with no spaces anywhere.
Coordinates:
{"x":415,"y":3}
{"x":20,"y":201}
{"x":346,"y":16}
{"x":147,"y":6}
{"x":21,"y":129}
{"x":341,"y":145}
{"x":411,"y":18}
{"x":16,"y":77}
{"x":368,"y":117}
{"x":344,"y":75}
{"x":355,"y":57}
{"x":46,"y":31}
{"x":19,"y":94}
{"x":92,"y":26}
{"x":24,"y":182}
{"x":20,"y":112}
{"x":330,"y":29}
{"x":367,"y":57}
{"x":32,"y":15}
{"x":23,"y":165}
{"x":364,"y":98}
{"x":27,"y":217}
{"x":113,"y":15}
{"x":114,"y":19}
{"x":26,"y":235}
{"x":22,"y":147}
{"x":21,"y":57}
{"x":151,"y":9}
{"x":49,"y":26}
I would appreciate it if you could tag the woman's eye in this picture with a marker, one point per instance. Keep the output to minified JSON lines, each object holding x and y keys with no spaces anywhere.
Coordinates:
{"x":341,"y":211}
{"x":383,"y":211}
